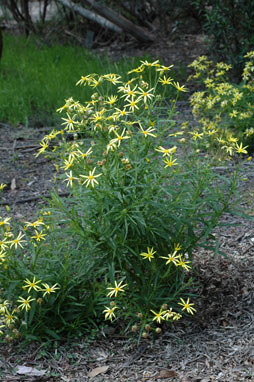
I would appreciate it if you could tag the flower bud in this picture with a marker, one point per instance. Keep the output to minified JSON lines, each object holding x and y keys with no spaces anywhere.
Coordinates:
{"x":158,"y":330}
{"x":147,"y":327}
{"x":144,"y":334}
{"x":134,"y":328}
{"x":140,"y":315}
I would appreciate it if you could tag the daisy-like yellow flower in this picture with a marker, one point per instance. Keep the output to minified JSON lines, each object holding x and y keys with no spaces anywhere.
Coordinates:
{"x":163,"y":69}
{"x":2,"y":186}
{"x":3,"y":244}
{"x":111,"y":100}
{"x":183,"y":263}
{"x":91,"y":178}
{"x":44,"y":145}
{"x":160,"y":316}
{"x":117,"y":288}
{"x":177,"y":247}
{"x":168,"y":314}
{"x":133,"y":104}
{"x":39,"y":236}
{"x":119,"y":138}
{"x":113,"y":78}
{"x":148,"y":131}
{"x":145,"y":95}
{"x":67,"y":164}
{"x":171,"y":258}
{"x":69,"y":122}
{"x":86,"y":154}
{"x":169,"y":162}
{"x":47,"y":289}
{"x":70,"y":179}
{"x":35,"y":224}
{"x":32,"y":284}
{"x":4,"y":221}
{"x":17,"y":241}
{"x":240,"y":149}
{"x":149,"y":64}
{"x":10,"y":317}
{"x":109,"y":312}
{"x":139,"y":69}
{"x":165,"y":80}
{"x":25,"y":303}
{"x":111,"y":146}
{"x":4,"y":306}
{"x":84,"y":79}
{"x":166,"y":152}
{"x":149,"y":254}
{"x":187,"y":306}
{"x":180,"y":88}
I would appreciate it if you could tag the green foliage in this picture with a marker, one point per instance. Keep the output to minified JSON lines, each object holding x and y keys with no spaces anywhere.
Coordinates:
{"x":230,"y":24}
{"x":35,"y":78}
{"x":223,"y":107}
{"x":120,"y":246}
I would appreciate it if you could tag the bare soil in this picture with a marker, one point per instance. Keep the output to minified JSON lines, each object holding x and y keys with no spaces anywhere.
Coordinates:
{"x":217,"y":344}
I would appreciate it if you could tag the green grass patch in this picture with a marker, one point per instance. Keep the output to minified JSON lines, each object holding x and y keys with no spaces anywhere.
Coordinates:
{"x":35,"y":78}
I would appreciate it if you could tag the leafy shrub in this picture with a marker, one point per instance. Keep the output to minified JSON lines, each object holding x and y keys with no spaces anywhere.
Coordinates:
{"x":230,"y":25}
{"x":120,"y":246}
{"x":225,"y":108}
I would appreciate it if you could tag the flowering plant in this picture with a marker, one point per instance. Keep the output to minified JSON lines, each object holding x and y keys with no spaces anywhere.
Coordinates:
{"x":224,"y":109}
{"x":141,"y":199}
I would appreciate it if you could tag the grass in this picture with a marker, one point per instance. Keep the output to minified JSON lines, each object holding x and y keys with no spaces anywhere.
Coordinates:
{"x":36,"y":78}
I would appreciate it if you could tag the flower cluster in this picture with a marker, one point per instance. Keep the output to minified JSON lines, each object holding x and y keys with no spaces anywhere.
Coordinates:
{"x":224,"y":110}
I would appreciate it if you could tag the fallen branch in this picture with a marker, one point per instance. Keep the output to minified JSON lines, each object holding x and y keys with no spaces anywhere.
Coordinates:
{"x":90,"y":15}
{"x":121,"y":21}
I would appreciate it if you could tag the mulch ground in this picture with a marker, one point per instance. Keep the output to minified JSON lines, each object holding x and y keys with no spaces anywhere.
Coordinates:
{"x":217,"y":344}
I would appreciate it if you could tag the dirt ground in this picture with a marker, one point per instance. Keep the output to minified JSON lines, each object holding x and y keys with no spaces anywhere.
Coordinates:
{"x":217,"y":344}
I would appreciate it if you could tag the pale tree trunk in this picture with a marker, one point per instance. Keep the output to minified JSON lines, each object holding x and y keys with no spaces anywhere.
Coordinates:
{"x":121,"y":21}
{"x":90,"y":15}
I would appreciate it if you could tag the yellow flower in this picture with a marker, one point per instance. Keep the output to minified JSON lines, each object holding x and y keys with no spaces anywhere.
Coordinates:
{"x":47,"y":289}
{"x":32,"y":285}
{"x":86,"y":154}
{"x":169,"y":162}
{"x":70,"y":179}
{"x":17,"y":242}
{"x":69,"y":122}
{"x":35,"y":224}
{"x":149,"y":254}
{"x":90,"y":179}
{"x":109,"y":312}
{"x":187,"y":306}
{"x":84,"y":79}
{"x":149,"y":64}
{"x":25,"y":303}
{"x":184,"y":264}
{"x":171,"y":258}
{"x":166,"y":152}
{"x":39,"y":236}
{"x":119,"y":138}
{"x":240,"y":149}
{"x":4,"y":221}
{"x":132,"y":104}
{"x":10,"y":317}
{"x":145,"y":94}
{"x":158,"y":317}
{"x":2,"y":186}
{"x":165,"y":80}
{"x":163,"y":69}
{"x":180,"y":88}
{"x":148,"y":131}
{"x":117,"y":288}
{"x":4,"y":306}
